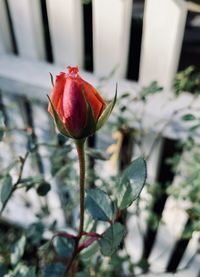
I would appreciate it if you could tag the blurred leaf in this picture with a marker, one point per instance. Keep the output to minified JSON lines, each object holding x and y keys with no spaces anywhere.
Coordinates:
{"x":21,"y":270}
{"x":45,"y":247}
{"x":151,"y":89}
{"x":187,"y":80}
{"x":188,"y":117}
{"x":2,"y":126}
{"x":6,"y":188}
{"x":54,"y":270}
{"x":88,"y":253}
{"x":111,"y":239}
{"x":131,"y":183}
{"x":124,"y":95}
{"x":144,"y":264}
{"x":43,"y":189}
{"x":30,"y":182}
{"x":17,"y":250}
{"x":3,"y":270}
{"x":99,"y":205}
{"x":64,"y":246}
{"x":193,"y":128}
{"x":30,"y":272}
{"x":35,"y":232}
{"x":97,"y":154}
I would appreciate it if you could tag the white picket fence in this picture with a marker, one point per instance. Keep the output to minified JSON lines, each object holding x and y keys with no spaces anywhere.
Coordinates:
{"x":27,"y":74}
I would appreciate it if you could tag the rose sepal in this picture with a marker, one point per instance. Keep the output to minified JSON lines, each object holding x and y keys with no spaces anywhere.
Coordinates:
{"x":58,"y":122}
{"x":107,"y":111}
{"x":91,"y":124}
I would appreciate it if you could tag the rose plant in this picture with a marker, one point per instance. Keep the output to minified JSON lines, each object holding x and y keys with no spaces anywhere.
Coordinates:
{"x":79,"y":111}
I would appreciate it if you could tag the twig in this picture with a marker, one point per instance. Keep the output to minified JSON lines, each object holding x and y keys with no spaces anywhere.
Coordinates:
{"x":15,"y":186}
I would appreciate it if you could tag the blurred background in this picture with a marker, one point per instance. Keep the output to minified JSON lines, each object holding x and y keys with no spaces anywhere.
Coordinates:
{"x":152,"y":50}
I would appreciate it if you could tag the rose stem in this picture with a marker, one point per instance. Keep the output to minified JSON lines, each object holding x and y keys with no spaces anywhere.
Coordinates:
{"x":81,"y":157}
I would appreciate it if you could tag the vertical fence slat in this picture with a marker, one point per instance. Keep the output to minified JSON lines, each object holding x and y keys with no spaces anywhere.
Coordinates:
{"x":66,"y":30}
{"x":5,"y":37}
{"x":111,"y":32}
{"x":163,"y":246}
{"x":163,"y":29}
{"x":27,"y":24}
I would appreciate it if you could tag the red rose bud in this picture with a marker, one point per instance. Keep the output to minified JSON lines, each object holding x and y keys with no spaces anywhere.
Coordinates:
{"x":76,"y":106}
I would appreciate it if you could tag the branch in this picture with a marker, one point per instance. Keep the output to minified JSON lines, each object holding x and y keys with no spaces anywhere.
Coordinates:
{"x":15,"y":186}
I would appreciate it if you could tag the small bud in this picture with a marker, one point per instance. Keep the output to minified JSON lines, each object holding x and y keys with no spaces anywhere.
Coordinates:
{"x":76,"y":106}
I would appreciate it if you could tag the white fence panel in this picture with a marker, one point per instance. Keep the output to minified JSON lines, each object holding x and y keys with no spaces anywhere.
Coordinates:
{"x":66,"y":30}
{"x":163,"y":29}
{"x":111,"y":31}
{"x":5,"y":37}
{"x":27,"y":23}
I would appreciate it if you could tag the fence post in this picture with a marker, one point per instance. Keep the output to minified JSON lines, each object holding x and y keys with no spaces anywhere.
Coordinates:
{"x":163,"y":30}
{"x":66,"y":29}
{"x":5,"y":36}
{"x":111,"y":32}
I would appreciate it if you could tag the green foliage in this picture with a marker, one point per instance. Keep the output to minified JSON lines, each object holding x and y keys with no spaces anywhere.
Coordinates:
{"x":35,"y":232}
{"x":153,"y":88}
{"x":6,"y":188}
{"x":131,"y":183}
{"x":3,"y":269}
{"x":188,"y":117}
{"x":18,"y":250}
{"x":99,"y":204}
{"x":187,"y":80}
{"x":2,"y":126}
{"x":111,"y":239}
{"x":64,"y":246}
{"x":54,"y":270}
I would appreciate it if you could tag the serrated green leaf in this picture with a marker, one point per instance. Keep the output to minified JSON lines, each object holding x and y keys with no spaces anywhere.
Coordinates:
{"x":64,"y":246}
{"x":131,"y":183}
{"x":99,"y":205}
{"x":111,"y":239}
{"x":106,"y":113}
{"x":43,"y":189}
{"x":6,"y":188}
{"x":188,"y":117}
{"x":18,"y":250}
